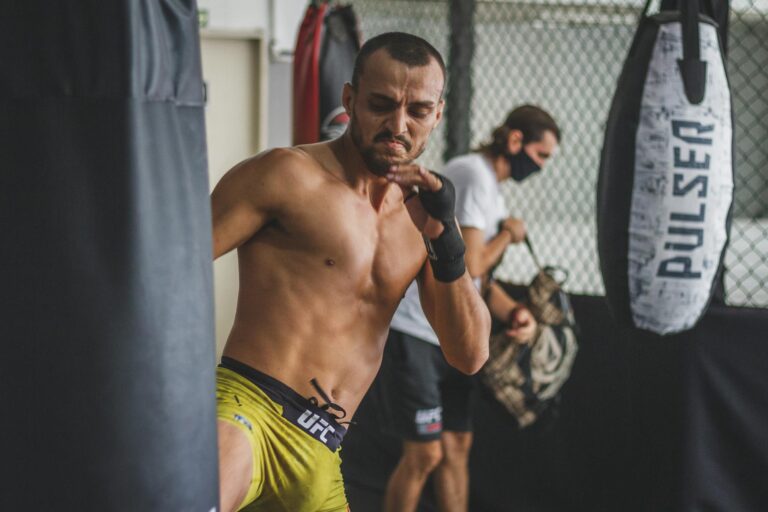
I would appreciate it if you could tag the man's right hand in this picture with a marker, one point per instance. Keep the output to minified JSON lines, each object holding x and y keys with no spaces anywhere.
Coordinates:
{"x":515,"y":227}
{"x":436,"y":201}
{"x":426,"y":182}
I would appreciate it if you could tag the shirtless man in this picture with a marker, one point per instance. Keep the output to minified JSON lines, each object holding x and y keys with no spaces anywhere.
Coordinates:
{"x":329,"y":236}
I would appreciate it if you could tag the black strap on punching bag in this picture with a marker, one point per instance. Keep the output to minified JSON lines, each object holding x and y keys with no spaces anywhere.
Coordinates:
{"x":107,"y":364}
{"x":692,"y":69}
{"x":718,"y":10}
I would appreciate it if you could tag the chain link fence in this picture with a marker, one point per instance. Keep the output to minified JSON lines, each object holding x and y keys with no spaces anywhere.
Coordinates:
{"x":566,"y":58}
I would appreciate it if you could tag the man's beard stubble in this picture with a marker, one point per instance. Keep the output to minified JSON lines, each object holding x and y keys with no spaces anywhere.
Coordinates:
{"x":375,"y":163}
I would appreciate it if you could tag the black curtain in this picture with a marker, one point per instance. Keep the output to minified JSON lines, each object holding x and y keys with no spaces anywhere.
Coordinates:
{"x":645,"y":424}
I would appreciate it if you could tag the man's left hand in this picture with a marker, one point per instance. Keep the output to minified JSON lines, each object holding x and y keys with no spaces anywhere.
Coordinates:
{"x":414,"y":178}
{"x":521,"y":325}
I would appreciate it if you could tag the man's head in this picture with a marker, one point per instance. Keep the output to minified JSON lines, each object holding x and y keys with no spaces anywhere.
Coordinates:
{"x":527,"y":139}
{"x":395,"y":99}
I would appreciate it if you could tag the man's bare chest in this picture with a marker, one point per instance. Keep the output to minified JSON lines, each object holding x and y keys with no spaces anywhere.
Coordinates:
{"x":378,"y":251}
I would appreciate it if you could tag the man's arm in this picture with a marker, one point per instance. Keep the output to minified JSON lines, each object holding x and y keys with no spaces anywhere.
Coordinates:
{"x":246,"y":199}
{"x":499,"y":303}
{"x":449,"y":298}
{"x":482,"y":255}
{"x":459,"y":317}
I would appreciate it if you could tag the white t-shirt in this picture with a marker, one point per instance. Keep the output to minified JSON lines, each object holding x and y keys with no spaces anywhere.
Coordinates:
{"x":479,"y":204}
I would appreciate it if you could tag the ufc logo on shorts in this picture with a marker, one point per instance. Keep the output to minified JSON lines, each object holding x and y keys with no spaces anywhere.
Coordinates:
{"x":429,"y":420}
{"x":314,"y":424}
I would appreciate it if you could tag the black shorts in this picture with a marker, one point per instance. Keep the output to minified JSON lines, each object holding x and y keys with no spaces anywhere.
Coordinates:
{"x":425,"y":395}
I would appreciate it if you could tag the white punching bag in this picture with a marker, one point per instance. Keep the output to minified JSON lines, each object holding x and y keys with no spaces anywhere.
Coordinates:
{"x":666,"y":175}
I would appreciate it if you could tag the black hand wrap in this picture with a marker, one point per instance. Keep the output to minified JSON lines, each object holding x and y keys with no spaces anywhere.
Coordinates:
{"x":446,"y":252}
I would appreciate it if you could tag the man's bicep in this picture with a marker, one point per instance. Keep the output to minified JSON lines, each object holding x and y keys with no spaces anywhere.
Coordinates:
{"x":240,"y":206}
{"x":234,"y":222}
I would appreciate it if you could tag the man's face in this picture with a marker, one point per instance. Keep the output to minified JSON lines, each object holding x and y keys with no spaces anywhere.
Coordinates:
{"x":393,"y":111}
{"x":526,"y":160}
{"x":542,"y":150}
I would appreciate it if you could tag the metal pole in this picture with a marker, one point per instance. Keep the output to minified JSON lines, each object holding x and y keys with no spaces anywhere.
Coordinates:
{"x":459,"y":96}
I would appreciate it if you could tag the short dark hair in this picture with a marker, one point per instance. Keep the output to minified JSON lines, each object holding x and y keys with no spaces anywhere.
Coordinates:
{"x":533,"y":121}
{"x":411,"y":50}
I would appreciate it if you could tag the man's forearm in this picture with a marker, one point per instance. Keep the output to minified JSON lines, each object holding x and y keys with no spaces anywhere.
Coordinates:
{"x":462,"y":323}
{"x":499,"y":303}
{"x":494,"y":250}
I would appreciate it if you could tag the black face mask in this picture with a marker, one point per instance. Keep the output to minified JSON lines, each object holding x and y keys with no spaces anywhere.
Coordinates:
{"x":521,"y":165}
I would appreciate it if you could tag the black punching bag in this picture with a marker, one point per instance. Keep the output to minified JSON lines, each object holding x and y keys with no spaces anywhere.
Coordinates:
{"x":106,"y":315}
{"x":326,"y":47}
{"x":665,"y":187}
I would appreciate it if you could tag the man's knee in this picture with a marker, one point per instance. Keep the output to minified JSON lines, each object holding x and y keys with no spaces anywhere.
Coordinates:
{"x":456,"y":447}
{"x":422,"y":457}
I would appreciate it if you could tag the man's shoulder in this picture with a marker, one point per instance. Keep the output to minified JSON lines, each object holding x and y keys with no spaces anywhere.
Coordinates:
{"x":286,"y":161}
{"x":278,"y":167}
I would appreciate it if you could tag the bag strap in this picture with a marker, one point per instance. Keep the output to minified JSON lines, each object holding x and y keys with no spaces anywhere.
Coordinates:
{"x":549,"y":269}
{"x":533,"y":254}
{"x":536,"y":262}
{"x":706,"y":6}
{"x":530,"y":249}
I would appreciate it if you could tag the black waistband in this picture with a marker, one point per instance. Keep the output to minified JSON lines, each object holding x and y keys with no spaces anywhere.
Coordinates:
{"x":298,"y":410}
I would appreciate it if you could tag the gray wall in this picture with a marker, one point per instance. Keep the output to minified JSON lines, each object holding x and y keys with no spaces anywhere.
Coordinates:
{"x":280,"y":104}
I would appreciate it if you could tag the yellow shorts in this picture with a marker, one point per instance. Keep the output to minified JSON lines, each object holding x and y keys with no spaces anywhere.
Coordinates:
{"x":295,"y":444}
